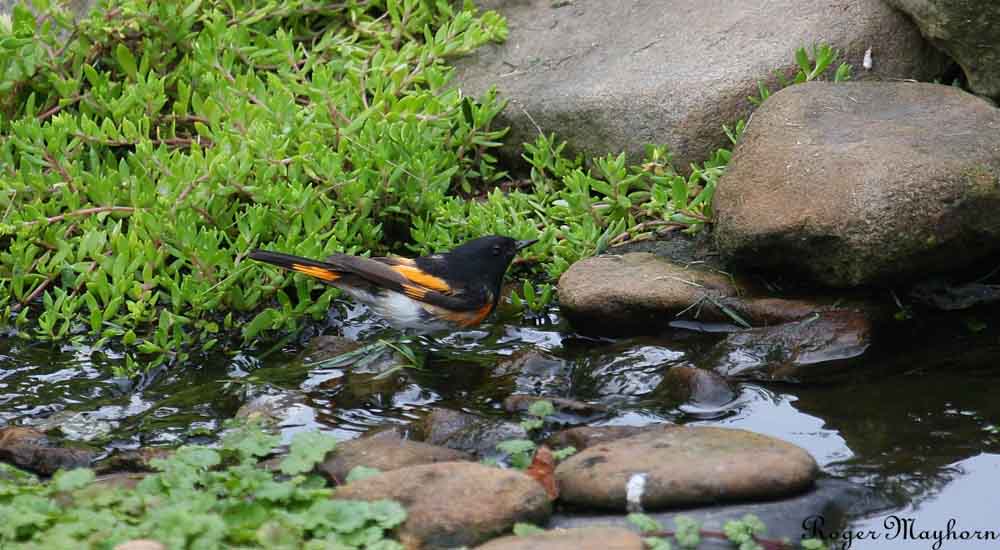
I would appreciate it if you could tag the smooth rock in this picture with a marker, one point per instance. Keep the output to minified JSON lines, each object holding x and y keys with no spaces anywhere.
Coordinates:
{"x":567,"y":411}
{"x":669,"y":73}
{"x":863,"y":183}
{"x":812,"y":349}
{"x":834,"y":500}
{"x":946,"y":296}
{"x":582,"y":437}
{"x":133,"y":460}
{"x":615,"y":295}
{"x":968,"y":31}
{"x":452,"y":504}
{"x":121,"y":480}
{"x":284,"y":408}
{"x":384,"y":453}
{"x":78,"y":425}
{"x":466,"y":432}
{"x":623,"y":373}
{"x":686,"y":384}
{"x":643,"y":292}
{"x":32,"y":450}
{"x":682,"y":466}
{"x":584,"y":538}
{"x":536,"y":372}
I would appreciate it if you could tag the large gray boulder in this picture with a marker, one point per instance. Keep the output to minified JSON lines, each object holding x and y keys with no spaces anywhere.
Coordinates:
{"x":968,"y":30}
{"x":612,"y":75}
{"x":864,"y":183}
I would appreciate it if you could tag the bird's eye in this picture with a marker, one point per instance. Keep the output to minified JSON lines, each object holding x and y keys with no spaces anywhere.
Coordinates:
{"x":496,"y":250}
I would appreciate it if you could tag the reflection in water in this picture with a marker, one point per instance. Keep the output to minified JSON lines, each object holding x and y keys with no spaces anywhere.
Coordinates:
{"x":920,"y":427}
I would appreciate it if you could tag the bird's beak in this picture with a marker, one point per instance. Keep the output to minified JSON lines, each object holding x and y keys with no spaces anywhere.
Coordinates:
{"x":521,"y":245}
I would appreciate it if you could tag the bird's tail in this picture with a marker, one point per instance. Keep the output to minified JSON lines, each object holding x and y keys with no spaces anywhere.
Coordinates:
{"x":313,"y":268}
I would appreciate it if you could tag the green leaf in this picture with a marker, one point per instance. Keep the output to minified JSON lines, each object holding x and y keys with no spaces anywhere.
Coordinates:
{"x":71,"y":480}
{"x":541,"y":408}
{"x":23,"y":21}
{"x":307,"y":450}
{"x":645,"y":523}
{"x":526,"y":529}
{"x":126,"y":61}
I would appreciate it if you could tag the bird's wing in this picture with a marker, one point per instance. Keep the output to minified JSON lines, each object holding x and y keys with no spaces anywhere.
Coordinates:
{"x":402,"y":275}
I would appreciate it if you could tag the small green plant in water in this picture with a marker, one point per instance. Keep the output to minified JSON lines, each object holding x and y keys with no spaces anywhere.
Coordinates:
{"x":200,"y":497}
{"x":745,"y":533}
{"x":520,"y":452}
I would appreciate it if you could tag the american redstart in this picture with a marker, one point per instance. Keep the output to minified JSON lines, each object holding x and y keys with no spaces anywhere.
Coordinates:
{"x":453,"y":289}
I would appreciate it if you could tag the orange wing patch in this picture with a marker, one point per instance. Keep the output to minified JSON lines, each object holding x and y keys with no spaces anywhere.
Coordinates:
{"x":328,"y":275}
{"x":421,"y":278}
{"x":415,"y":292}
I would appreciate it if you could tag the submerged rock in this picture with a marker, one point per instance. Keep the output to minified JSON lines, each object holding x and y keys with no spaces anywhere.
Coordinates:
{"x":587,"y":436}
{"x":863,"y":183}
{"x":133,"y":460}
{"x":811,"y":349}
{"x":968,"y":30}
{"x":584,"y":538}
{"x":669,"y":73}
{"x":682,"y":466}
{"x":684,"y":384}
{"x":466,"y":432}
{"x":32,"y":450}
{"x":946,"y":296}
{"x":567,"y":411}
{"x":451,"y":504}
{"x":536,"y":372}
{"x":384,"y":453}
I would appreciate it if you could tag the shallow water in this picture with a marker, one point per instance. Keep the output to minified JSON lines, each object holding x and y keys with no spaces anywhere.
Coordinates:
{"x":918,"y":418}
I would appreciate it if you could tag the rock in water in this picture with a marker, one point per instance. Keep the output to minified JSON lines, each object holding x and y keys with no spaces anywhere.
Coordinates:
{"x":451,"y":504}
{"x":863,"y":183}
{"x":808,"y":350}
{"x":968,"y":30}
{"x":681,"y":466}
{"x":668,"y":72}
{"x":383,"y":452}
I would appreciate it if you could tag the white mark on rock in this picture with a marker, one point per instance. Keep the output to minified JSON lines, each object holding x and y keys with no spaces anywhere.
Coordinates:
{"x":634,"y":489}
{"x":867,"y":62}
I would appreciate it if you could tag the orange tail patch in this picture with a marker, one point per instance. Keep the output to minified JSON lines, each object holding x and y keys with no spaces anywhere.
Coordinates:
{"x":324,"y":274}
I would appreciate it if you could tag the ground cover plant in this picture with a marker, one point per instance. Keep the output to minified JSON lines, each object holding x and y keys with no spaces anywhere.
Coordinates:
{"x":200,"y":497}
{"x":145,"y":149}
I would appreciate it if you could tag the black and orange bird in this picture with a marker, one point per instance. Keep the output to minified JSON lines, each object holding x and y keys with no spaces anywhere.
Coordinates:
{"x":450,"y":290}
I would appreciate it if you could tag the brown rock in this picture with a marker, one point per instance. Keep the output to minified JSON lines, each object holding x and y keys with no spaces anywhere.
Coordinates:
{"x":585,"y":538}
{"x":453,"y":504}
{"x":32,"y":450}
{"x":133,"y":460}
{"x":536,"y":372}
{"x":384,"y":453}
{"x":117,"y":481}
{"x":968,"y":30}
{"x":680,"y":466}
{"x":811,"y":349}
{"x":566,"y":410}
{"x":466,"y":432}
{"x":863,"y":183}
{"x":638,"y":291}
{"x":683,"y":384}
{"x":667,"y":72}
{"x":587,"y":436}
